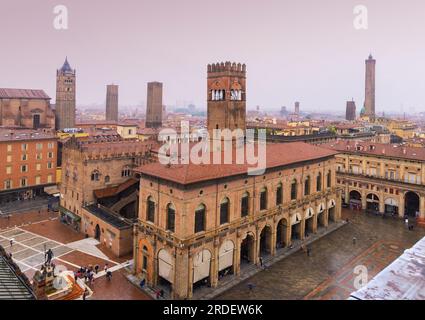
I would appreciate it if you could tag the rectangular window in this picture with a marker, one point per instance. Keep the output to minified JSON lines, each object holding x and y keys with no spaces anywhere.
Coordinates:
{"x":9,"y":158}
{"x":8,"y":169}
{"x":294,"y":191}
{"x":9,"y":148}
{"x":150,"y":214}
{"x":263,"y":200}
{"x":49,"y":165}
{"x":50,"y":180}
{"x":39,"y":146}
{"x":24,"y":168}
{"x":50,"y":145}
{"x":50,"y":155}
{"x":8,"y":184}
{"x":24,"y":147}
{"x":23,"y":182}
{"x":38,"y":166}
{"x":24,"y":157}
{"x":39,"y":156}
{"x":37,"y":180}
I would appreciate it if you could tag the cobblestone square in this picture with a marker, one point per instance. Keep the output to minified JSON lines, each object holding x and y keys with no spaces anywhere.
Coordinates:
{"x":329,"y":272}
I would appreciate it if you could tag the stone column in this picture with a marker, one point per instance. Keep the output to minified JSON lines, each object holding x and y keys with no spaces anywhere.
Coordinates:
{"x":421,"y":219}
{"x":326,"y":213}
{"x":289,"y":233}
{"x":315,"y":221}
{"x":364,"y":198}
{"x":237,"y":256}
{"x":302,"y":229}
{"x":214,"y":264}
{"x":257,"y":246}
{"x":401,"y":204}
{"x":273,"y":242}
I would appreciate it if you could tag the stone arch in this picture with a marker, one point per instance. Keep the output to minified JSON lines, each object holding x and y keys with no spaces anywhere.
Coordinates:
{"x":225,"y":255}
{"x":296,"y":219}
{"x":266,"y":240}
{"x":146,"y":260}
{"x":412,"y":203}
{"x":166,"y":266}
{"x":372,"y":202}
{"x":282,"y":233}
{"x":247,"y":248}
{"x":309,"y":221}
{"x":391,"y":206}
{"x":201,"y":265}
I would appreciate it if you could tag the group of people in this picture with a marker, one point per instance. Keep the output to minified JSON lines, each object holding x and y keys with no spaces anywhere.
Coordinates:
{"x":89,"y":272}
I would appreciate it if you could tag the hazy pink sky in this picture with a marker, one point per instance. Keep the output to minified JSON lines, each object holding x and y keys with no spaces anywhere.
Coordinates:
{"x":294,"y":50}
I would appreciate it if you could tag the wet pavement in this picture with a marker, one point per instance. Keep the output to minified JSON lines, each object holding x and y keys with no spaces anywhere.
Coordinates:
{"x":329,"y":272}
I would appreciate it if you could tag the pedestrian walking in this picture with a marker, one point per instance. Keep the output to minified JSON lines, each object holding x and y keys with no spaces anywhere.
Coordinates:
{"x":85,"y":294}
{"x":109,"y":275}
{"x":261,"y":262}
{"x":250,"y":286}
{"x":105,"y":268}
{"x":308,"y":251}
{"x":158,"y":294}
{"x":142,"y":283}
{"x":11,"y":243}
{"x":96,"y":269}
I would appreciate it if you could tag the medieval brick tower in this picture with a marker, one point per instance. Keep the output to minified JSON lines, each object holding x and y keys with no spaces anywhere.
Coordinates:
{"x":154,"y":105}
{"x":65,"y":97}
{"x":226,"y":96}
{"x":111,"y":102}
{"x":369,"y":106}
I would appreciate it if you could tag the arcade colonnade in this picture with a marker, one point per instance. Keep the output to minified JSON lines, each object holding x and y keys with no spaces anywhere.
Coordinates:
{"x":182,"y":269}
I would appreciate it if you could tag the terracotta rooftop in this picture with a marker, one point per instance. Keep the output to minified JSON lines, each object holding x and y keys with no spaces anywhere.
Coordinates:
{"x":6,"y":93}
{"x":378,"y":149}
{"x":277,"y":155}
{"x":7,"y":134}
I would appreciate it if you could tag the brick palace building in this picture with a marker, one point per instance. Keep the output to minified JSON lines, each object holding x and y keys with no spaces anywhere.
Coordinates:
{"x":199,"y":223}
{"x":27,"y":162}
{"x":382,"y":178}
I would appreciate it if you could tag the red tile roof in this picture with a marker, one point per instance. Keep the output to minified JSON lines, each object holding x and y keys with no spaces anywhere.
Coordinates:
{"x":22,"y":94}
{"x":277,"y":155}
{"x":378,"y":149}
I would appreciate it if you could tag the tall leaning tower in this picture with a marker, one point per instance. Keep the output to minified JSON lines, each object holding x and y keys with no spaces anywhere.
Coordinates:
{"x":369,"y":105}
{"x":226,"y":96}
{"x":65,"y":97}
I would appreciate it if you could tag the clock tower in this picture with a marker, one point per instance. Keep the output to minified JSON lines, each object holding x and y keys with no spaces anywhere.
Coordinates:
{"x":226,"y":96}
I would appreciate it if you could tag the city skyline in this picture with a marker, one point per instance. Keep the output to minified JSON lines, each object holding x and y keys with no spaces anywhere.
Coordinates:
{"x":305,"y":52}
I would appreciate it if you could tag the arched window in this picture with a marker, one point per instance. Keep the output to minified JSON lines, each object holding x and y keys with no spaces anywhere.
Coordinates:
{"x":263,"y":199}
{"x":307,"y":186}
{"x":150,"y":210}
{"x":107,"y":179}
{"x":245,"y":204}
{"x":329,"y":178}
{"x":319,"y":182}
{"x":200,"y":219}
{"x":171,"y":217}
{"x":224,"y":211}
{"x":294,"y":190}
{"x":125,"y":172}
{"x":279,"y":194}
{"x":95,"y":175}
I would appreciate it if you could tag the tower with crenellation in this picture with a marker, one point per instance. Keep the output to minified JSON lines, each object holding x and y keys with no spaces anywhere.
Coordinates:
{"x":226,"y":86}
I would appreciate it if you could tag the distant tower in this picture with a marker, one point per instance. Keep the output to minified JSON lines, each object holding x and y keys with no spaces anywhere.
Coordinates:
{"x":65,"y":97}
{"x":226,"y":85}
{"x":283,"y":111}
{"x":297,"y":108}
{"x":154,"y":105}
{"x":111,"y":102}
{"x":370,"y":88}
{"x":350,"y":113}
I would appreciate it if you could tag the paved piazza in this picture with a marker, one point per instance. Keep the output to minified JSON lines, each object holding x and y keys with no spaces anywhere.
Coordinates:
{"x":32,"y":237}
{"x":329,"y":272}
